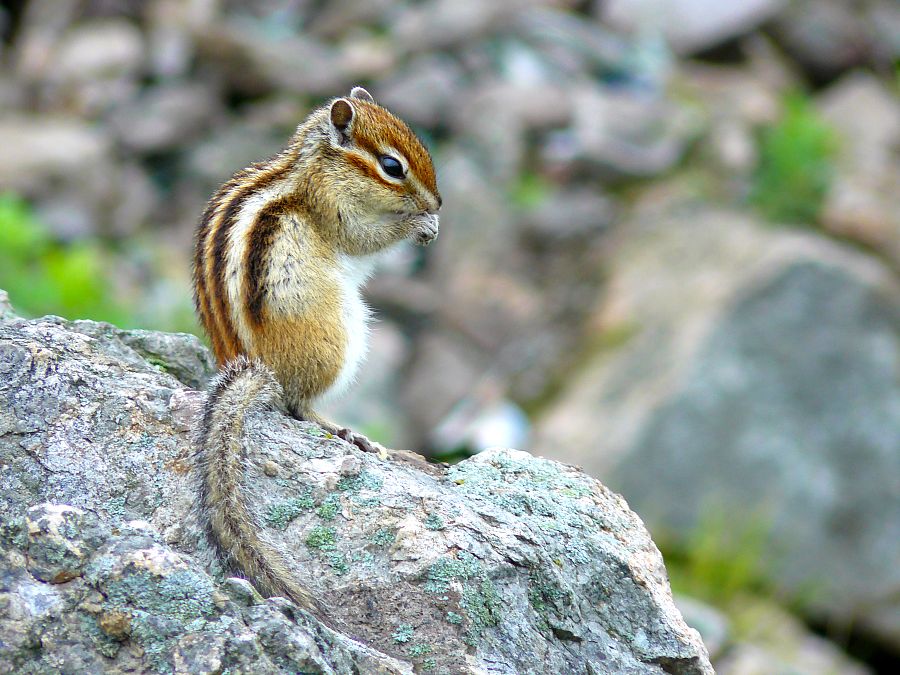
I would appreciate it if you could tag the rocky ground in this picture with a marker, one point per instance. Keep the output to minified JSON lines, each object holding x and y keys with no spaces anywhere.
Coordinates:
{"x":503,"y":563}
{"x":669,"y":250}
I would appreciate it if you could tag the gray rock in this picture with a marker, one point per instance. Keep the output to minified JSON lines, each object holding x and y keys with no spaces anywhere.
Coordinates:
{"x":504,"y":563}
{"x":134,"y":604}
{"x":37,"y":149}
{"x":440,"y":24}
{"x":255,"y":62}
{"x":165,"y":117}
{"x":863,"y":202}
{"x":425,"y":92}
{"x":95,"y":65}
{"x":831,"y":36}
{"x":689,"y":25}
{"x":6,"y":309}
{"x":630,"y":133}
{"x":773,"y":641}
{"x":751,"y":386}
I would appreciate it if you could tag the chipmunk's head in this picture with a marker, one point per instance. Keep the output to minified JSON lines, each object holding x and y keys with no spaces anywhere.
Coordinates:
{"x":397,"y":173}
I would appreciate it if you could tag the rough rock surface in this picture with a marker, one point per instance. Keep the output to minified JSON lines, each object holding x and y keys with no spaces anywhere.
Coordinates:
{"x":504,"y":563}
{"x":752,"y":384}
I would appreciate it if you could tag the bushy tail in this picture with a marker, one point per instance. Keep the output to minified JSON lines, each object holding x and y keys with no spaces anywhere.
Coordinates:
{"x":242,"y":387}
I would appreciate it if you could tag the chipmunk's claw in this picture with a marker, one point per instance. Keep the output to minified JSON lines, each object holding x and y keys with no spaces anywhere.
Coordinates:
{"x":362,"y":442}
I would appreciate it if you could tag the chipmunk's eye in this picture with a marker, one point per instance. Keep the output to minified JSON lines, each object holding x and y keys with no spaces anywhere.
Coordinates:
{"x":391,"y":166}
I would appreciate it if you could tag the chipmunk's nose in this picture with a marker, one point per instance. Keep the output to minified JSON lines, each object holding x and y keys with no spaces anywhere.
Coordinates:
{"x":435,"y":204}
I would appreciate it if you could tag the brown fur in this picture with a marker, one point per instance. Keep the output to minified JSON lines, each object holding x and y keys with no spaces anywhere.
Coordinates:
{"x":241,"y":389}
{"x":326,"y":188}
{"x":276,"y":272}
{"x":283,"y":345}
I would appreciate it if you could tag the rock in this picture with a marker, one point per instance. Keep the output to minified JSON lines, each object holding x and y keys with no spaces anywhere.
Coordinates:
{"x":574,"y":217}
{"x":712,"y":624}
{"x":66,"y":167}
{"x":425,"y":92}
{"x":829,"y":37}
{"x":863,"y":202}
{"x":37,"y":149}
{"x":58,"y":541}
{"x":439,"y":24}
{"x":137,"y":605}
{"x":253,"y":62}
{"x":504,"y":562}
{"x":6,"y":309}
{"x":165,"y":117}
{"x":765,"y":362}
{"x":99,"y":49}
{"x":774,"y":641}
{"x":629,"y":133}
{"x":500,"y":116}
{"x":96,"y":65}
{"x":689,"y":25}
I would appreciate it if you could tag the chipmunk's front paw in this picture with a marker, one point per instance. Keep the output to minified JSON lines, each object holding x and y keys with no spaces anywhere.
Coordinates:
{"x":361,"y":442}
{"x":425,"y":228}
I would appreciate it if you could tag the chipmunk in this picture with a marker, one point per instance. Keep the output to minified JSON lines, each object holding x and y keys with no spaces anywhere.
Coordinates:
{"x":280,"y":255}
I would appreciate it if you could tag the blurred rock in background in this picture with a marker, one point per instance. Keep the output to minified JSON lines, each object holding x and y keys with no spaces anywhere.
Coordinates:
{"x":669,"y":236}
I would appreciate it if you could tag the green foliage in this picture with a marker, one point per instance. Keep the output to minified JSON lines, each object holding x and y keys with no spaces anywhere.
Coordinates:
{"x":795,"y":165}
{"x":419,"y":649}
{"x":329,"y":507}
{"x":383,"y":537}
{"x":280,"y":515}
{"x":403,"y":633}
{"x":722,"y":559}
{"x":529,"y":191}
{"x":434,"y":522}
{"x":44,"y":276}
{"x":322,"y":538}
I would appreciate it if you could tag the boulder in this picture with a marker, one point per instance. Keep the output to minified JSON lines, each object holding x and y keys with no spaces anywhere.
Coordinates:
{"x":689,"y":25}
{"x":504,"y":563}
{"x":863,"y":202}
{"x":829,"y":37}
{"x":748,"y":382}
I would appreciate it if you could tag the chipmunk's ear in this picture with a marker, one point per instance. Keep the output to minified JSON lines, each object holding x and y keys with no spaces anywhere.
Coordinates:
{"x":361,"y":94}
{"x":342,"y":118}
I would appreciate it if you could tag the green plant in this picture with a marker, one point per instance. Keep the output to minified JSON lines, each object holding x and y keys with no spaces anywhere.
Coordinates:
{"x":722,"y":559}
{"x":44,"y":276}
{"x":794,"y":171}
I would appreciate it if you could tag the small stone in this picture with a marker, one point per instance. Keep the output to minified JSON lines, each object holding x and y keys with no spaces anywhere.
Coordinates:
{"x":116,"y":624}
{"x":241,"y":591}
{"x":350,"y":466}
{"x":270,"y":468}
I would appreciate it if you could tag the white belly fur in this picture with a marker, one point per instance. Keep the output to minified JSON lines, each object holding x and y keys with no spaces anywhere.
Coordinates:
{"x":352,"y":274}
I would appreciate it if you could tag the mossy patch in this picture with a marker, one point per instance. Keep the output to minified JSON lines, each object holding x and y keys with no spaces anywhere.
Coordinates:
{"x":419,"y":649}
{"x":480,"y":597}
{"x":483,"y":604}
{"x":322,"y":538}
{"x":281,"y":514}
{"x":463,"y":567}
{"x":338,"y":562}
{"x":543,"y":594}
{"x":434,"y":522}
{"x":404,"y":633}
{"x":365,"y":480}
{"x":383,"y":537}
{"x":329,"y":507}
